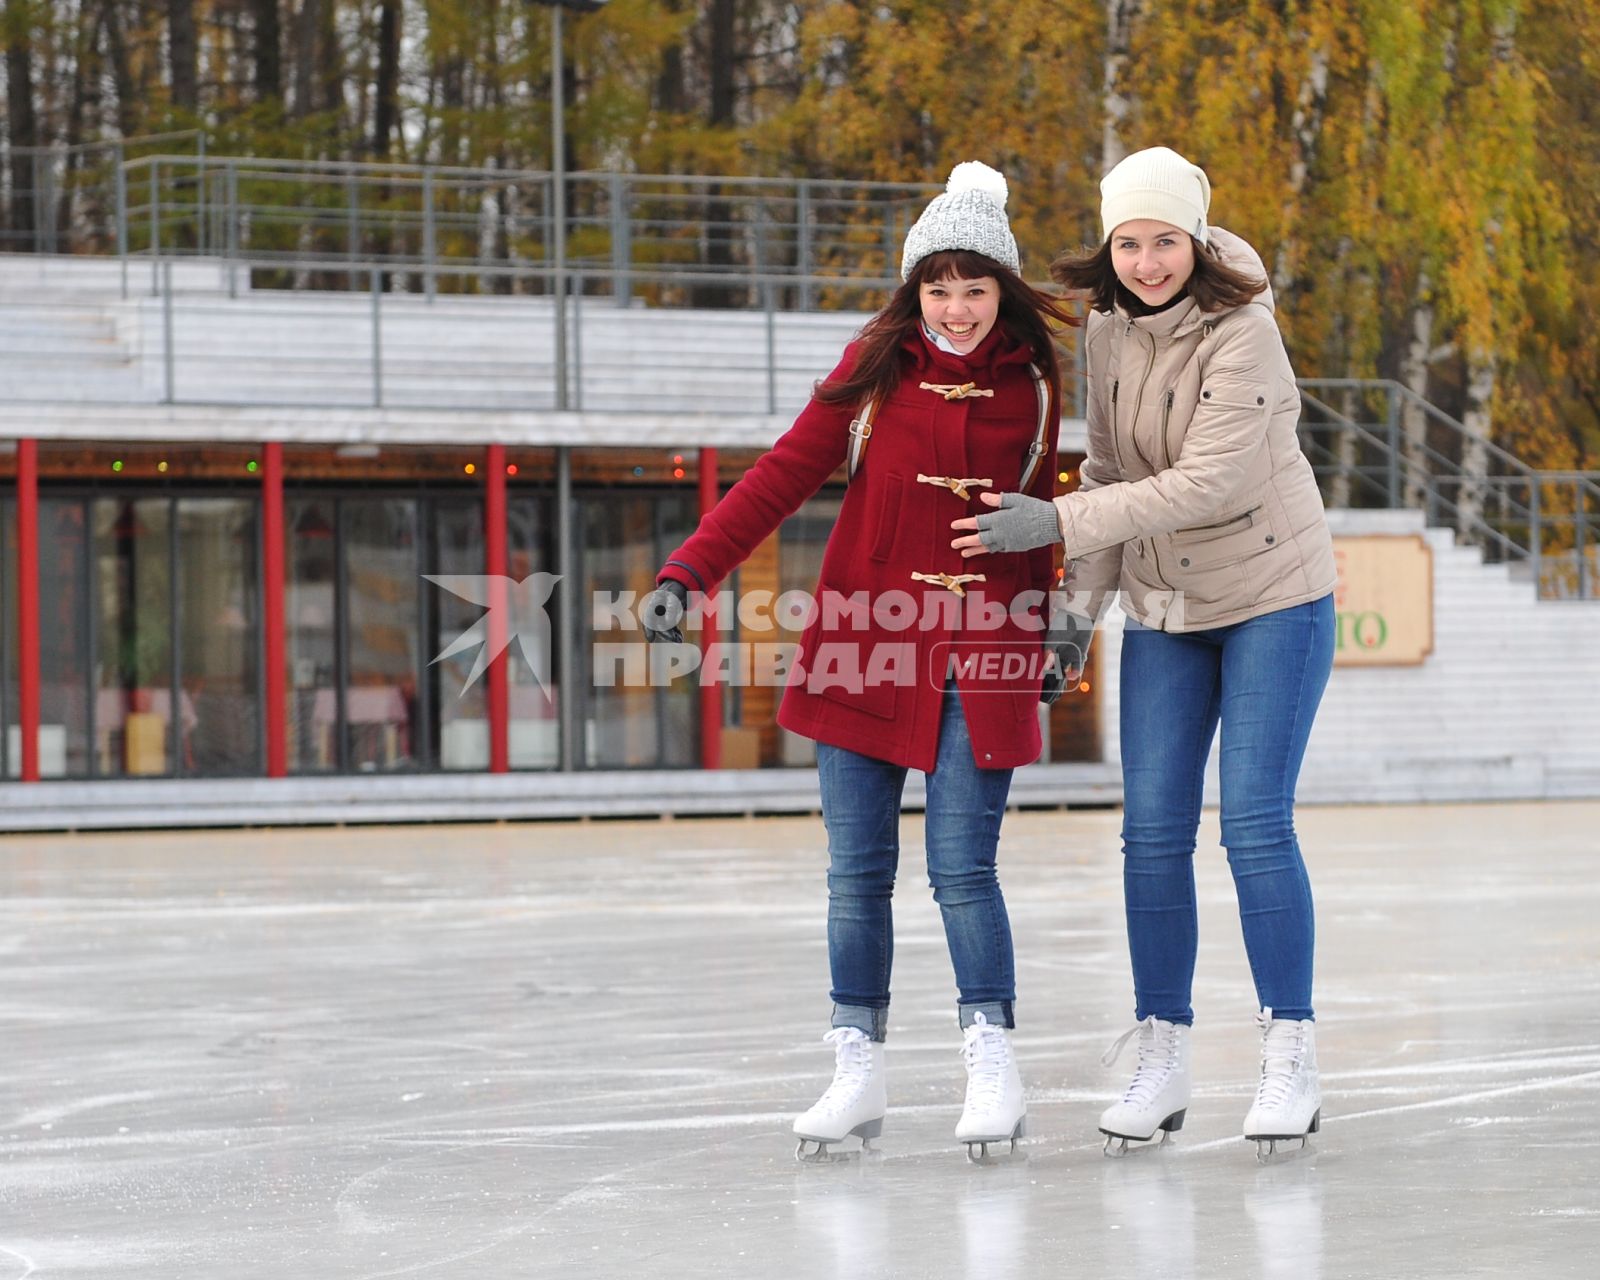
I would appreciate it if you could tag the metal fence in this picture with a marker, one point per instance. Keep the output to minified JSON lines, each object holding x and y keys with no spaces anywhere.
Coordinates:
{"x":1375,"y":443}
{"x":63,"y":199}
{"x":721,"y":234}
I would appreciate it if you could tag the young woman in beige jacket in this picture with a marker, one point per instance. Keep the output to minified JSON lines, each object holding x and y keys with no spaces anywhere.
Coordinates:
{"x":1198,"y":503}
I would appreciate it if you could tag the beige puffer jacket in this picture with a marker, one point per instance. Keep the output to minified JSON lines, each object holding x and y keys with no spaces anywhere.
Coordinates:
{"x":1196,"y":498}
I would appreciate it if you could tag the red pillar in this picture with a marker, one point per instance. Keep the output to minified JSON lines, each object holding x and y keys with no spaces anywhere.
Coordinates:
{"x":496,"y":547}
{"x":710,"y":692}
{"x":28,"y":605}
{"x":274,"y":587}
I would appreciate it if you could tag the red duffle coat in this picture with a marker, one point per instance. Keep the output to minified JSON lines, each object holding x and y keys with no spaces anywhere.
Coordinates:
{"x":867,"y":679}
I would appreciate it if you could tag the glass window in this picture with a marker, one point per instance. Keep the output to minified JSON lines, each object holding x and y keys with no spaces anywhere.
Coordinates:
{"x":460,"y":709}
{"x":10,"y":752}
{"x":134,"y":707}
{"x":625,"y":536}
{"x":382,"y":590}
{"x":64,"y":641}
{"x":535,"y":681}
{"x":311,"y":626}
{"x":219,"y":635}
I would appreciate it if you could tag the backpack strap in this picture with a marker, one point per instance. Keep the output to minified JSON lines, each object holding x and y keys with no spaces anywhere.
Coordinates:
{"x":860,"y":433}
{"x":1041,"y":434}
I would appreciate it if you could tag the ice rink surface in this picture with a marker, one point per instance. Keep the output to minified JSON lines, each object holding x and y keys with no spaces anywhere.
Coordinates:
{"x":575,"y":1051}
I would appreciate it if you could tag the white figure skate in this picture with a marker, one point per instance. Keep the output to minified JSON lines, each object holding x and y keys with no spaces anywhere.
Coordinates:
{"x":994,"y":1111}
{"x":854,"y":1104}
{"x":1157,"y":1098}
{"x":1288,"y":1103}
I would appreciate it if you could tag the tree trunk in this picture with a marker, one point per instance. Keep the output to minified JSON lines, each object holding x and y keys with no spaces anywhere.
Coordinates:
{"x":268,"y":50}
{"x":1114,"y":107}
{"x":121,"y":71}
{"x":22,"y":129}
{"x":330,"y":66}
{"x":182,"y":47}
{"x":721,"y":40}
{"x":1306,"y":126}
{"x":386,"y":97}
{"x":1476,"y":417}
{"x":670,"y":91}
{"x":1414,"y":375}
{"x":303,"y":101}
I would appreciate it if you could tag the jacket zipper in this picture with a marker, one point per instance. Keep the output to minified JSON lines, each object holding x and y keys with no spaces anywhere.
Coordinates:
{"x":1138,"y":400}
{"x":1150,"y":363}
{"x":1221,"y":524}
{"x":1166,"y":417}
{"x":1116,"y":436}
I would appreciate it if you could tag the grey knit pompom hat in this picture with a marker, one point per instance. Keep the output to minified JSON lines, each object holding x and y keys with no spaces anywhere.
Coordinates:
{"x":971,"y":214}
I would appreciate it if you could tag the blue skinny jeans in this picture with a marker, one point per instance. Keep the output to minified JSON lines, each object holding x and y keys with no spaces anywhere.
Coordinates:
{"x":1262,"y":679}
{"x":861,"y":809}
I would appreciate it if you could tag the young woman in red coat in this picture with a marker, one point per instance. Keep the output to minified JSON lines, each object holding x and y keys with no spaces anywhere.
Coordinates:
{"x":914,"y":658}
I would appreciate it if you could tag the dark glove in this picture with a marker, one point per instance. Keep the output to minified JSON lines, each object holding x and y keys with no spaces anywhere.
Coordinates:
{"x":1021,"y":524}
{"x":1067,"y":641}
{"x":661,"y":613}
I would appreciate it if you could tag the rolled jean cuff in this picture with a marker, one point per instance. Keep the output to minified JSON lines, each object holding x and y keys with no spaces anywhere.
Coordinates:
{"x":874,"y":1022}
{"x":997,"y":1013}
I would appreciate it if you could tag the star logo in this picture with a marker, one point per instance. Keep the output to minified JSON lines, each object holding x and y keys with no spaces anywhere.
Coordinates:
{"x":522,"y":618}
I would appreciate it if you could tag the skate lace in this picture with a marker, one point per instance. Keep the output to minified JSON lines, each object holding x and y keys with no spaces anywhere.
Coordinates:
{"x":1283,"y":1052}
{"x":986,"y":1051}
{"x":852,"y":1068}
{"x":1158,"y":1057}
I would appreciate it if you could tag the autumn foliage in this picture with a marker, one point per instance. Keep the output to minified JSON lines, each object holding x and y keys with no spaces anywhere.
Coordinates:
{"x":1420,"y":178}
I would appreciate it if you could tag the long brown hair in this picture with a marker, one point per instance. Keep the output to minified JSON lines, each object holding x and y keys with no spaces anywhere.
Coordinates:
{"x":1023,"y":310}
{"x":1214,"y":286}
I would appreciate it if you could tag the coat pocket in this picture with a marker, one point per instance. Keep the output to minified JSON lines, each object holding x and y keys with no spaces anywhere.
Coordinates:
{"x":887,"y":522}
{"x":1224,"y":541}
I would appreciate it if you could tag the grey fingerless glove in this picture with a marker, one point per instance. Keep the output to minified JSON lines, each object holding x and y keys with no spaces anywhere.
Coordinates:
{"x":1021,"y":524}
{"x":1068,"y":640}
{"x":661,"y":613}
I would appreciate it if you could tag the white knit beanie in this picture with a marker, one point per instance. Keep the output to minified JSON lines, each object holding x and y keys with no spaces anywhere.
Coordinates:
{"x":971,"y":214}
{"x":1159,"y":184}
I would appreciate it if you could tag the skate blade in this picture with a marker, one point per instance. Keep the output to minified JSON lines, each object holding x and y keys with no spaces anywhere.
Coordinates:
{"x":1120,"y":1146}
{"x":823,"y":1155}
{"x":995,"y":1151}
{"x":1282,"y":1148}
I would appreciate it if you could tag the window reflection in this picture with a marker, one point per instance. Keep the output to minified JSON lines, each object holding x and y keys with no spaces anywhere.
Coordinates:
{"x":382,"y":581}
{"x":460,"y":710}
{"x":219,"y":635}
{"x":311,"y":583}
{"x":134,"y":697}
{"x":625,"y":537}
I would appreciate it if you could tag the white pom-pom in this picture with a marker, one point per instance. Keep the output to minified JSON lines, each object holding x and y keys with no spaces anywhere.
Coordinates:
{"x":974,"y":175}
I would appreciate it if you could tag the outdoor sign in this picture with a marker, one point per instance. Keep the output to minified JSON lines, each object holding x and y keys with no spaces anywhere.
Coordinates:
{"x":1384,"y":601}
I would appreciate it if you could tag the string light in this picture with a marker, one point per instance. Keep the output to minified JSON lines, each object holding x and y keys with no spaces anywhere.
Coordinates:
{"x":251,"y":466}
{"x":471,"y":468}
{"x":161,"y":467}
{"x":117,"y":465}
{"x":511,"y":468}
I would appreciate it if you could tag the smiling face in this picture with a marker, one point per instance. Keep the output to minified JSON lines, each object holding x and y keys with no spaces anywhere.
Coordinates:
{"x":1153,"y":260}
{"x":963,"y":311}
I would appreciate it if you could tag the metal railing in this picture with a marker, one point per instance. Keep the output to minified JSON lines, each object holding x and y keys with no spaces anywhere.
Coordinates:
{"x":1366,"y":455}
{"x":543,"y":335}
{"x":62,"y":199}
{"x":337,"y":347}
{"x":435,"y":219}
